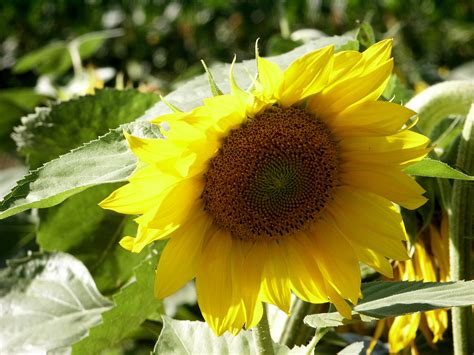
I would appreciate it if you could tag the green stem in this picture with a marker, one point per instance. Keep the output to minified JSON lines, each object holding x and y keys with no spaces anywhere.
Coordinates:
{"x":262,"y":336}
{"x":441,"y":100}
{"x":296,"y":332}
{"x":318,"y":335}
{"x":460,"y":228}
{"x":284,"y":25}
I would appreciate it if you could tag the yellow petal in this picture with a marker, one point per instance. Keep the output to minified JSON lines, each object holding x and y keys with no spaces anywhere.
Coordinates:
{"x":377,"y":53}
{"x":153,"y":151}
{"x":345,"y":66}
{"x":183,"y":132}
{"x":276,"y":280}
{"x":376,"y":261}
{"x":180,"y":258}
{"x":340,"y":96}
{"x":398,"y":149}
{"x":306,"y":76}
{"x":305,"y":277}
{"x":387,"y":182}
{"x":437,"y":322}
{"x":269,"y":75}
{"x":369,"y":221}
{"x":336,"y":259}
{"x":144,"y":237}
{"x":341,"y":305}
{"x":138,"y":198}
{"x":225,"y":111}
{"x":215,"y":291}
{"x":175,"y":204}
{"x":403,"y":332}
{"x":247,"y":261}
{"x":370,"y":118}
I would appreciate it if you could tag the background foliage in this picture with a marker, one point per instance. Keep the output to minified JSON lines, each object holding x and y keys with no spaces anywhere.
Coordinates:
{"x":54,"y":52}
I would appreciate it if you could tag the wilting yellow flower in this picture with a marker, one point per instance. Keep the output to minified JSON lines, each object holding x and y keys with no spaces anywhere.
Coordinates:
{"x":402,"y":332}
{"x":284,"y":187}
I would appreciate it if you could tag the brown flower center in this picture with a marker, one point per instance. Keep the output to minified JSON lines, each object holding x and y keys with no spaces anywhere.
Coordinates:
{"x":272,"y":176}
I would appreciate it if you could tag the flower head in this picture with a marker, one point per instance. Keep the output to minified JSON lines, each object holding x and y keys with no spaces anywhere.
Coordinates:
{"x":282,"y":188}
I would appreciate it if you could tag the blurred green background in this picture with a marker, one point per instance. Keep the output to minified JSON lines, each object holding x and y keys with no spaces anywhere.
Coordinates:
{"x":164,"y":40}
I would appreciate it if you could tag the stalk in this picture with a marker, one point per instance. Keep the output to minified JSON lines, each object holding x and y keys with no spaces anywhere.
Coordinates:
{"x":461,"y":233}
{"x":262,"y":337}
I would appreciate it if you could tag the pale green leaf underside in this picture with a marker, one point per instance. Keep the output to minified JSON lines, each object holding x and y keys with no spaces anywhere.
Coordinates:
{"x":435,"y":168}
{"x":108,"y":159}
{"x":383,"y":299}
{"x":47,"y":302}
{"x":186,"y":337}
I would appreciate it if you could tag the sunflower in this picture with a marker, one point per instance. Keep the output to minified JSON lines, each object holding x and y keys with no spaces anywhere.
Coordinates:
{"x":281,"y":188}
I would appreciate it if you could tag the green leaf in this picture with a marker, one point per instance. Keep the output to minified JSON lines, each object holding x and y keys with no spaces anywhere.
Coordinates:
{"x":94,"y":239}
{"x":89,"y":43}
{"x":50,"y":132}
{"x":105,"y":160}
{"x":185,"y":337}
{"x":435,"y":168}
{"x":132,"y":305}
{"x":47,"y":302}
{"x":354,"y":348}
{"x":55,"y":58}
{"x":383,"y":299}
{"x":365,"y":35}
{"x":108,"y":160}
{"x":52,"y":58}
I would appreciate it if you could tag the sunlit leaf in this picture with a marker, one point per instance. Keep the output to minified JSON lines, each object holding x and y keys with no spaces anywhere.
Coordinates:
{"x":435,"y":168}
{"x":52,"y":131}
{"x":383,"y":299}
{"x":185,"y":337}
{"x":132,"y":305}
{"x":47,"y":302}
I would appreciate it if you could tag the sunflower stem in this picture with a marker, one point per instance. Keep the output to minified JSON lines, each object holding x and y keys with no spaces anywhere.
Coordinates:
{"x":262,"y":337}
{"x":440,"y":101}
{"x":461,"y":233}
{"x":296,"y":332}
{"x":318,"y":335}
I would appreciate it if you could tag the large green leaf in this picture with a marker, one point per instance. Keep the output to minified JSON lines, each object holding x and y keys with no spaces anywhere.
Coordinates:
{"x":133,"y":304}
{"x":383,"y":299}
{"x":108,"y":159}
{"x":94,"y":238}
{"x":105,"y":160}
{"x":436,"y":168}
{"x":52,"y":131}
{"x":47,"y":303}
{"x":185,"y":337}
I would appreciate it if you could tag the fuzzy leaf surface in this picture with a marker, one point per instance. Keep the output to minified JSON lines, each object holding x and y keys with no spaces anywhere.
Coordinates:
{"x":436,"y":168}
{"x":132,"y":305}
{"x":52,"y":131}
{"x":186,"y":337}
{"x":384,"y":299}
{"x":47,"y":302}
